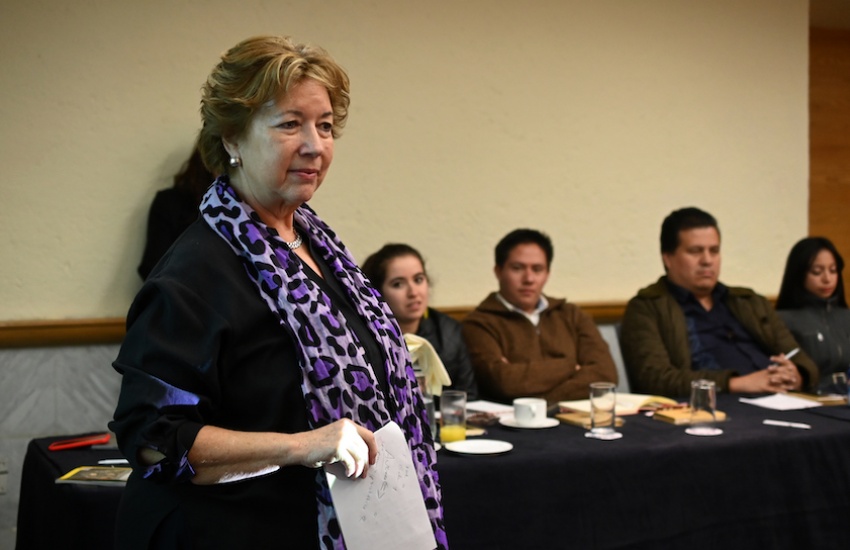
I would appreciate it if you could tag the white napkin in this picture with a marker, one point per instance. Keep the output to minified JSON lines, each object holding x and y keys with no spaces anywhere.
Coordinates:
{"x":781,"y":402}
{"x":424,"y":354}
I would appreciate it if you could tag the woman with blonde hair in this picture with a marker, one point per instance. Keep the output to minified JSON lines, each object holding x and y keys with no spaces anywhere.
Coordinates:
{"x":256,"y":351}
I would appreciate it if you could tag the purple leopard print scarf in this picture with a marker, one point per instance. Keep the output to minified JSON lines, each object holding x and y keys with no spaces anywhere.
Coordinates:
{"x":312,"y":321}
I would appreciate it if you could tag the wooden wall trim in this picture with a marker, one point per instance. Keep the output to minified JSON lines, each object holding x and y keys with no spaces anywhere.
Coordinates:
{"x":27,"y":334}
{"x":602,"y":312}
{"x":82,"y":332}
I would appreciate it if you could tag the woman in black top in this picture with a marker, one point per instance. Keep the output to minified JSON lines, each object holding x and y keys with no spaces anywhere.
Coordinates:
{"x":174,"y":209}
{"x":812,"y":303}
{"x":398,"y":270}
{"x":257,"y":351}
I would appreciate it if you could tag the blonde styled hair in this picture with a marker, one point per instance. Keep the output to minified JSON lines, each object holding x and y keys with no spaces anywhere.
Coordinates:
{"x":250,"y":74}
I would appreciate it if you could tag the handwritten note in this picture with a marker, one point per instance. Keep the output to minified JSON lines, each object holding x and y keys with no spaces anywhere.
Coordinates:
{"x":385,"y":510}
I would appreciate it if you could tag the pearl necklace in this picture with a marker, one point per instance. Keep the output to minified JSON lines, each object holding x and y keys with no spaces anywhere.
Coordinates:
{"x":296,"y":243}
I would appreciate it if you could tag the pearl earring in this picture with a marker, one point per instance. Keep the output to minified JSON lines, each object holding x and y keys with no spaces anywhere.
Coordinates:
{"x":235,"y":162}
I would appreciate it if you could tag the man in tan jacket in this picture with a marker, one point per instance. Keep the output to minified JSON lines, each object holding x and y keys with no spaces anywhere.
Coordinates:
{"x":525,"y":344}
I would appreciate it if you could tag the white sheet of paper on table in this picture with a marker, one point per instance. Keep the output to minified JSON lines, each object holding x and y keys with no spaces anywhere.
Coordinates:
{"x":781,"y":402}
{"x":385,"y":510}
{"x":489,"y":407}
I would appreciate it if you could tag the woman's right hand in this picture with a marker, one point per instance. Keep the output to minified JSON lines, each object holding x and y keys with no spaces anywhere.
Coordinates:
{"x":219,"y":455}
{"x":340,"y":442}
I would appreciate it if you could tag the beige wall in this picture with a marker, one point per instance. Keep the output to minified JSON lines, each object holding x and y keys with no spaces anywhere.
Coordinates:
{"x":589,"y":120}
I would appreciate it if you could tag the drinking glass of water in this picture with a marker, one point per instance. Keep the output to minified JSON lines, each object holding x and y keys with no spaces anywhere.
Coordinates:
{"x":603,"y":413}
{"x":703,"y":409}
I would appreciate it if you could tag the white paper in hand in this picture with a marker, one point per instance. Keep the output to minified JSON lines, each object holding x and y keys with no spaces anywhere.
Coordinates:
{"x":385,"y":510}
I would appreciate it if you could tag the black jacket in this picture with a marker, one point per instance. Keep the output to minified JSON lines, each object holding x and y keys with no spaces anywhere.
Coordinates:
{"x":444,"y":333}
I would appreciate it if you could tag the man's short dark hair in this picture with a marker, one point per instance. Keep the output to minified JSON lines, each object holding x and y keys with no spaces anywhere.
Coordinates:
{"x":682,"y":220}
{"x":523,"y":236}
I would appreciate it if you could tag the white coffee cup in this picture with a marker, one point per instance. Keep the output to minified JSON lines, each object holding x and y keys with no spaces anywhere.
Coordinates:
{"x":529,"y":411}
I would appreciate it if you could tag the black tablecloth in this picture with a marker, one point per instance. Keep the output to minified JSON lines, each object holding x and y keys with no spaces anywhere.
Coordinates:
{"x":755,"y":486}
{"x":64,"y":515}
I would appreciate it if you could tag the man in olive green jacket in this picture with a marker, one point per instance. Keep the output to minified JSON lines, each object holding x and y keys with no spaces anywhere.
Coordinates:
{"x":688,"y":325}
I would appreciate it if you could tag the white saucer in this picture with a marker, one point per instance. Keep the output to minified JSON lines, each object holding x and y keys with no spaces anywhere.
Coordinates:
{"x":479,"y":447}
{"x":604,"y":436}
{"x":703,"y":431}
{"x":437,"y":446}
{"x":509,"y":421}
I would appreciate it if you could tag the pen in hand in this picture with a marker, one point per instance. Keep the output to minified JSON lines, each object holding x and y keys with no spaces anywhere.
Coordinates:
{"x":786,"y":382}
{"x":788,"y":355}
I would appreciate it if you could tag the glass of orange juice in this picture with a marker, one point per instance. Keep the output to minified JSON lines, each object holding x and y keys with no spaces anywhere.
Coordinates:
{"x":453,"y":415}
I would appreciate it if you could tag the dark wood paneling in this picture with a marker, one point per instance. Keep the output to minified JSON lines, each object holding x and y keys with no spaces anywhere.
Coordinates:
{"x":829,"y":136}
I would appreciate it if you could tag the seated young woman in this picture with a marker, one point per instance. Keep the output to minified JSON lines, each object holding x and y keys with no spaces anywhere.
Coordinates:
{"x":398,"y":271}
{"x":811,"y":302}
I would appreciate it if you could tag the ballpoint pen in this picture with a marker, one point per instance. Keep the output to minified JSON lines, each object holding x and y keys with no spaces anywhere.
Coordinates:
{"x":112,"y":461}
{"x":782,"y":423}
